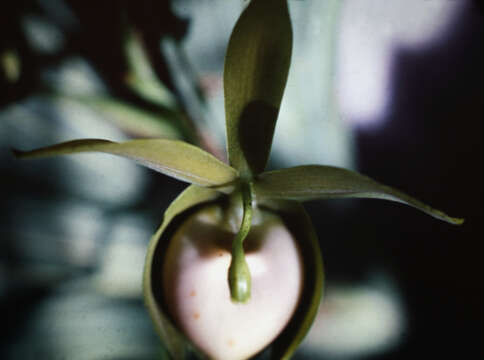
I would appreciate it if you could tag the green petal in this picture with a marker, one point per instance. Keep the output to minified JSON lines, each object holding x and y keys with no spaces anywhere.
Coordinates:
{"x":170,"y":157}
{"x":299,"y":223}
{"x":175,"y":341}
{"x":323,"y":182}
{"x":256,"y":67}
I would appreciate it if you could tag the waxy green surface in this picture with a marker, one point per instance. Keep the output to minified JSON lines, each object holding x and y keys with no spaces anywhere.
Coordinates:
{"x":174,"y":158}
{"x":255,"y":74}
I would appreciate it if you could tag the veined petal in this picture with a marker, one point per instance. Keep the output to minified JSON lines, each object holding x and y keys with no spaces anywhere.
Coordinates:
{"x":256,"y":67}
{"x":170,"y":157}
{"x":312,"y":182}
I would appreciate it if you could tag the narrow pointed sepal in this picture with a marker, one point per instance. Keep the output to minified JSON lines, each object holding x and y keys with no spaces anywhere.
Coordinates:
{"x":170,"y":157}
{"x":311,"y":182}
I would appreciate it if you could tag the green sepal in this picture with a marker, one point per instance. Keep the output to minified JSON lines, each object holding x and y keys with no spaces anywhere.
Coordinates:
{"x":256,"y":67}
{"x":170,"y":157}
{"x":175,"y":342}
{"x":298,"y":222}
{"x":312,"y":182}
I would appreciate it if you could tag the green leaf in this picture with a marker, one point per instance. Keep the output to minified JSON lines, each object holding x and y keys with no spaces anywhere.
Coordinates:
{"x":175,"y":341}
{"x":299,"y":223}
{"x":256,"y":67}
{"x":171,"y":157}
{"x":323,"y":182}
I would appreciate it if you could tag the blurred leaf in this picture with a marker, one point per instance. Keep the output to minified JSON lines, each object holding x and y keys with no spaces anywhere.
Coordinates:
{"x":256,"y":67}
{"x":10,"y":65}
{"x":174,"y":340}
{"x":323,"y":182}
{"x":171,"y":157}
{"x":299,"y":223}
{"x":143,"y":78}
{"x":135,"y":120}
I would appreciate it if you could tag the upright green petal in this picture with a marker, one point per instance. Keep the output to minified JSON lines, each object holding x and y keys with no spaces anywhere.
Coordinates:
{"x":170,"y":157}
{"x":256,"y":67}
{"x":174,"y":340}
{"x":322,"y":182}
